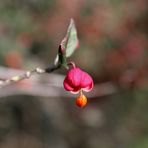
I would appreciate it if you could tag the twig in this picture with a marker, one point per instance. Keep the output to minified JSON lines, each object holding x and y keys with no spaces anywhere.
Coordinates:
{"x":27,"y":75}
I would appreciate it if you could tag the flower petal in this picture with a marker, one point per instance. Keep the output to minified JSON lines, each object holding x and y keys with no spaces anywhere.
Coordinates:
{"x":86,"y":82}
{"x":67,"y":85}
{"x":75,"y":75}
{"x":89,"y":88}
{"x":74,"y":92}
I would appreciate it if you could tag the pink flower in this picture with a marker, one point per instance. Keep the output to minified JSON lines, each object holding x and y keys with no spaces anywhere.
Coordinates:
{"x":77,"y":80}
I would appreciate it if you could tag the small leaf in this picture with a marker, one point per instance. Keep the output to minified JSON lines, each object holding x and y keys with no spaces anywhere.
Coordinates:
{"x":68,"y":45}
{"x":71,"y":38}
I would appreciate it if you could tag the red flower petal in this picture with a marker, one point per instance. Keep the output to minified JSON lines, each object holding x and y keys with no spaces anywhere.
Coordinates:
{"x":86,"y":82}
{"x":74,"y":76}
{"x":77,"y":79}
{"x":67,"y":85}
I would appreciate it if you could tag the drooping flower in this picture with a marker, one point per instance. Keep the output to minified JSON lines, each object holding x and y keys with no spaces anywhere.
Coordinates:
{"x":77,"y":81}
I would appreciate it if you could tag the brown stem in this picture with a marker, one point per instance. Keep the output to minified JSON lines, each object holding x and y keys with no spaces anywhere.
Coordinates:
{"x":27,"y":75}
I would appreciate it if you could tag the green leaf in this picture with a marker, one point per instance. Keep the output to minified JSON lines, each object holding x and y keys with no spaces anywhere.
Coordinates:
{"x":68,"y":45}
{"x":71,"y":40}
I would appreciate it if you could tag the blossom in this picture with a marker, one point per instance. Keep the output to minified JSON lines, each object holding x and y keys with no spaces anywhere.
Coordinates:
{"x":76,"y":80}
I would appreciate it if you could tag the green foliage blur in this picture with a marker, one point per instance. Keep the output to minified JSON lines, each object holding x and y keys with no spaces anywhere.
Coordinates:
{"x":113,"y":37}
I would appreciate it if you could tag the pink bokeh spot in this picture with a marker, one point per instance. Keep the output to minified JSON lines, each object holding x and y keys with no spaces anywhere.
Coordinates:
{"x":76,"y":80}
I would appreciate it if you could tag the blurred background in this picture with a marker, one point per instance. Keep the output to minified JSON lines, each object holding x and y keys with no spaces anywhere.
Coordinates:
{"x":39,"y":113}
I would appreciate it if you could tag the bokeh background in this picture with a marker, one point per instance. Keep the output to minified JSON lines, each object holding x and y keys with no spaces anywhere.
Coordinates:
{"x":39,"y":113}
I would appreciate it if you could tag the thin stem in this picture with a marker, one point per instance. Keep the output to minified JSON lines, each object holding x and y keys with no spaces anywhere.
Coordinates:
{"x":52,"y":68}
{"x":72,"y":64}
{"x":81,"y":92}
{"x":27,"y":75}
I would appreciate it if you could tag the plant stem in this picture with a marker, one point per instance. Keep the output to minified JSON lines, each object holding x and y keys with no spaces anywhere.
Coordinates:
{"x":28,"y":74}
